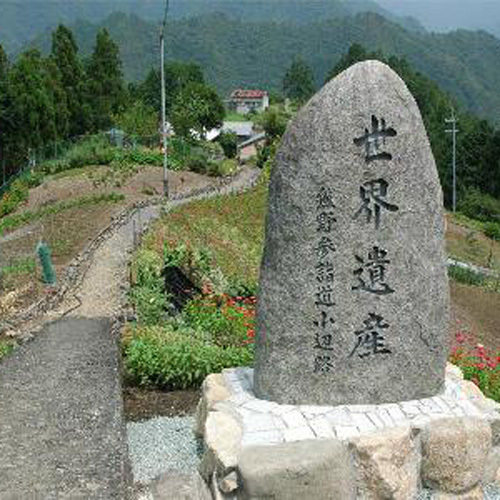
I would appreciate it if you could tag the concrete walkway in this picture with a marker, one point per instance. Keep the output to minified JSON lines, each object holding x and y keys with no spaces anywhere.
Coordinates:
{"x":61,"y":427}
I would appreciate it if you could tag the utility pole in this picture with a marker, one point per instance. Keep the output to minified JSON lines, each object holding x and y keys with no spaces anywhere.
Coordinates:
{"x":163,"y":103}
{"x":454,"y":131}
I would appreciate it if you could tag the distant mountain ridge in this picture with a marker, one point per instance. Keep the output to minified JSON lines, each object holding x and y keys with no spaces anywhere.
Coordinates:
{"x":237,"y":53}
{"x":22,"y":20}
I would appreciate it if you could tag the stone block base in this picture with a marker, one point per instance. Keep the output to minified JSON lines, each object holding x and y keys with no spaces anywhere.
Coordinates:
{"x":259,"y":449}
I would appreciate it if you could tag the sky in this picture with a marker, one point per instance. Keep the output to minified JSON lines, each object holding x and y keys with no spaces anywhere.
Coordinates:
{"x":449,"y":14}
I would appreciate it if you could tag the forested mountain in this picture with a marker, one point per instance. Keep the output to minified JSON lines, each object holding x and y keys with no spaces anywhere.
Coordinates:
{"x":22,"y":20}
{"x":239,"y":53}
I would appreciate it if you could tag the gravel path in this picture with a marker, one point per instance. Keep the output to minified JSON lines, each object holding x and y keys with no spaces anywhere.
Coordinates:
{"x":162,"y":445}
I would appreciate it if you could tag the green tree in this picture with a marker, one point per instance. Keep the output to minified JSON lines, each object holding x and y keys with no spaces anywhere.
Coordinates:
{"x":229,"y":143}
{"x":36,"y":102}
{"x":106,"y":89}
{"x":139,"y":119}
{"x":298,"y":83}
{"x":177,"y":76}
{"x":65,"y":56}
{"x":196,"y":107}
{"x":274,"y":121}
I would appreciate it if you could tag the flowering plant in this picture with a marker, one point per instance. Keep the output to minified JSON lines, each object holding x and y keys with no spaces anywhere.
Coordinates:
{"x":227,"y":320}
{"x":478,"y":363}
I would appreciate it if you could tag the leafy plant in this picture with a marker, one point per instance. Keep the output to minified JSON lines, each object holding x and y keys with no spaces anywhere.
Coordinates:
{"x":5,"y":348}
{"x":177,"y":359}
{"x":148,"y":293}
{"x":465,"y":275}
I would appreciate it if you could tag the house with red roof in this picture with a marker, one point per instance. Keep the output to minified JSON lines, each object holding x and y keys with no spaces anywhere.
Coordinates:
{"x":244,"y":101}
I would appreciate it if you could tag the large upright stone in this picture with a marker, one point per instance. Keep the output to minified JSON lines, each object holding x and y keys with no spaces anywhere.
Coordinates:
{"x":353,"y":307}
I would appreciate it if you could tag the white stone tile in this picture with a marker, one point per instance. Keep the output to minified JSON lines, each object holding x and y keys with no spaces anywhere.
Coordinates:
{"x":294,"y":419}
{"x":363,"y":423}
{"x":282,"y":409}
{"x":386,"y":418}
{"x":441,"y":403}
{"x":259,"y":423}
{"x":260,"y":405}
{"x":411,"y":408}
{"x":298,"y":434}
{"x":421,"y":421}
{"x":322,"y":428}
{"x":240,"y":399}
{"x":262,"y":438}
{"x":396,"y":413}
{"x":376,"y":420}
{"x":339,"y":416}
{"x":469,"y":408}
{"x":346,"y":431}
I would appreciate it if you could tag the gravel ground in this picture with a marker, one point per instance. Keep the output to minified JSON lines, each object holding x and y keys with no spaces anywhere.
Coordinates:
{"x":490,"y":493}
{"x":162,"y":445}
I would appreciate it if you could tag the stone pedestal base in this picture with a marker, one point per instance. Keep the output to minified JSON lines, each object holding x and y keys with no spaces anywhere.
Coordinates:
{"x":258,"y":449}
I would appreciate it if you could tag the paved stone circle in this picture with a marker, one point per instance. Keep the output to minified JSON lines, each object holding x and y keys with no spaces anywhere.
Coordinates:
{"x":267,"y":423}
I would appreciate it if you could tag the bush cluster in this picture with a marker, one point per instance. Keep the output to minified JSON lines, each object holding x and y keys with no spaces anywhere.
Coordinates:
{"x":480,"y":206}
{"x":18,"y":192}
{"x":215,"y":330}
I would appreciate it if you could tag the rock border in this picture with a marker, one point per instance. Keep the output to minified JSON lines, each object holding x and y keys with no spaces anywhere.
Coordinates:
{"x":449,"y":444}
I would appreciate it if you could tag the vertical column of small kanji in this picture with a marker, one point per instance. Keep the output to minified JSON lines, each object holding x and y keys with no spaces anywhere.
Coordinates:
{"x":372,"y":264}
{"x":324,"y":273}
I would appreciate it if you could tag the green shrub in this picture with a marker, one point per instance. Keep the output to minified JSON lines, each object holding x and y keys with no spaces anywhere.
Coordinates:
{"x":148,"y":294}
{"x":492,"y":230}
{"x":466,"y":276}
{"x":170,"y":359}
{"x":5,"y":348}
{"x":229,"y":143}
{"x":480,"y":206}
{"x":198,"y":163}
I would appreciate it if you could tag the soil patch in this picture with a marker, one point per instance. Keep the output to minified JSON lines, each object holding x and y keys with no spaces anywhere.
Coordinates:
{"x":141,"y":404}
{"x":478,"y":311}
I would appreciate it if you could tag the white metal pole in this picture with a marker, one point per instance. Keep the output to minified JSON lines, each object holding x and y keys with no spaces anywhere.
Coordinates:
{"x":164,"y":117}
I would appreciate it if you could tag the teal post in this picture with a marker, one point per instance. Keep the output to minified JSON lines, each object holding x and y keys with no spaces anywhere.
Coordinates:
{"x":49,"y":275}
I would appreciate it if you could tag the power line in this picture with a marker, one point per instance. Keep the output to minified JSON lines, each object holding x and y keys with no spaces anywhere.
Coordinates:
{"x":163,"y":101}
{"x":454,"y":131}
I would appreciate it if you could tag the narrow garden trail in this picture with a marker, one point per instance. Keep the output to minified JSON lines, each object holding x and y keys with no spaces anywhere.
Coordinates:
{"x":62,"y":429}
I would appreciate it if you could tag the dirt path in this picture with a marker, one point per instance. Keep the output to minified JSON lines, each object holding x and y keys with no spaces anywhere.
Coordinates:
{"x":103,"y":289}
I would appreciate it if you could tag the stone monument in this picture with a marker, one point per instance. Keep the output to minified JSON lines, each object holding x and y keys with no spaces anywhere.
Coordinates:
{"x":351,"y":397}
{"x":353,"y":305}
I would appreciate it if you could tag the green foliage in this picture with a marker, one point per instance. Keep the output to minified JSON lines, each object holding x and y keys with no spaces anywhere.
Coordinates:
{"x":465,"y":276}
{"x":17,"y":194}
{"x":148,"y":292}
{"x":138,"y":119}
{"x":274,"y":121}
{"x":178,"y":359}
{"x":480,"y":206}
{"x":298,"y":82}
{"x":65,"y":56}
{"x":5,"y":348}
{"x":492,"y":230}
{"x":229,"y":143}
{"x":177,"y":76}
{"x":105,"y":86}
{"x":196,"y":107}
{"x":19,"y":266}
